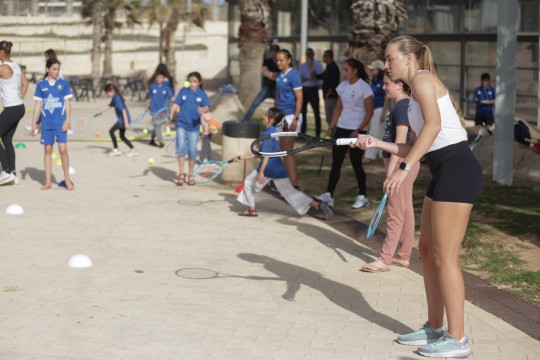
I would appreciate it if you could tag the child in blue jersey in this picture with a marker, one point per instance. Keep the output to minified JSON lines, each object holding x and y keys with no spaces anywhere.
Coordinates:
{"x":159,"y":97}
{"x":289,"y":98}
{"x":192,"y":102}
{"x":168,"y":80}
{"x":123,"y":120}
{"x":484,"y":96}
{"x":272,"y":169}
{"x":52,"y":104}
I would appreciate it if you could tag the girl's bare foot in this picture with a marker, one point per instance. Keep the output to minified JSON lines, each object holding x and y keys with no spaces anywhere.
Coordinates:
{"x":46,"y":186}
{"x":69,"y":185}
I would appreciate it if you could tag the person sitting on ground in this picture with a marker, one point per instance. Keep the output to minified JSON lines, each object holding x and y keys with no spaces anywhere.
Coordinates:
{"x":273,"y":169}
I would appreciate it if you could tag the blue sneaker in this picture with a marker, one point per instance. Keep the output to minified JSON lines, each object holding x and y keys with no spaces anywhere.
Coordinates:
{"x":447,"y":347}
{"x":424,"y":336}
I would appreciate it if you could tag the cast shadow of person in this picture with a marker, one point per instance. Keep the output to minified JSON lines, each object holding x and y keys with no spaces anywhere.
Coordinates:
{"x":37,"y":175}
{"x":332,"y":240}
{"x":342,"y":295}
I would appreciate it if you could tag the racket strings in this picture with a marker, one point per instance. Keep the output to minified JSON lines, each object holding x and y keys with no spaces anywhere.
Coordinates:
{"x":79,"y":124}
{"x":207,"y":172}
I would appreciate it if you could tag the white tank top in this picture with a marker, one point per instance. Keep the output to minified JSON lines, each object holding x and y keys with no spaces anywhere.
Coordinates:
{"x":10,"y":89}
{"x":451,"y":130}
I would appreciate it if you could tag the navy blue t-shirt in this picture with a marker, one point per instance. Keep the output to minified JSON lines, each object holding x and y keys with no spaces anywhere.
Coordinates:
{"x":118,"y":106}
{"x":481,"y":93}
{"x":378,"y":93}
{"x":275,"y":168}
{"x":398,"y":116}
{"x":190,"y":101}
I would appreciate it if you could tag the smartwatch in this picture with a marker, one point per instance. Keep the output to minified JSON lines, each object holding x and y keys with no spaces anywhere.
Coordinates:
{"x":405,"y":167}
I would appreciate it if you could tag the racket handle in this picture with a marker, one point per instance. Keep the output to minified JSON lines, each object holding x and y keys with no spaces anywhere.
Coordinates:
{"x":346,"y":141}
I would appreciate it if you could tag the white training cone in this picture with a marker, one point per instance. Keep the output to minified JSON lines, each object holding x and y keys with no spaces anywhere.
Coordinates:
{"x":14,"y":209}
{"x":71,"y":170}
{"x":79,"y":261}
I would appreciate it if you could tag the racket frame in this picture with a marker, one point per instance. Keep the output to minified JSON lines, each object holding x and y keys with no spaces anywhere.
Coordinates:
{"x":166,"y":118}
{"x":311,"y":143}
{"x":87,"y":121}
{"x":376,"y":217}
{"x":206,"y":163}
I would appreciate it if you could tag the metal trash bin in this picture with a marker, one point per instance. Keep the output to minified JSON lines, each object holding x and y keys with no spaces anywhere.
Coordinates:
{"x":236,"y":140}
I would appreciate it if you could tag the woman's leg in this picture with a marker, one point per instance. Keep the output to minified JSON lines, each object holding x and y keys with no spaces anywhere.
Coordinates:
{"x":296,"y":199}
{"x":247,"y":195}
{"x":431,"y":277}
{"x":449,"y":222}
{"x":356,"y":155}
{"x":338,"y":155}
{"x":62,"y":149}
{"x":9,"y":119}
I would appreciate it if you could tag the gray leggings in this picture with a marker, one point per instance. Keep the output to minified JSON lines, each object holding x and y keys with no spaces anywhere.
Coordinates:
{"x":9,"y":119}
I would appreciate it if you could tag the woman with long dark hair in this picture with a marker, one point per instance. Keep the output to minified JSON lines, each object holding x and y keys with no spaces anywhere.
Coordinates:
{"x":351,"y":116}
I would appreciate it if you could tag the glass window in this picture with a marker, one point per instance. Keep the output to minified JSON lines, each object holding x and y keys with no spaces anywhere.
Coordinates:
{"x":480,"y":16}
{"x":481,"y":53}
{"x":416,"y":13}
{"x":443,"y":16}
{"x":529,"y":15}
{"x":445,"y":52}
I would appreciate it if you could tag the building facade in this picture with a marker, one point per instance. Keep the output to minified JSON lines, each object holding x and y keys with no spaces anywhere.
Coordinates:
{"x":461,"y":33}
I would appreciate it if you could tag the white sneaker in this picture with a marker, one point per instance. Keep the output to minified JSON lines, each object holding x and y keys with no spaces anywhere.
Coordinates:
{"x":6,"y":178}
{"x":115,"y":152}
{"x":132,"y":153}
{"x":361,"y":201}
{"x":325,"y":197}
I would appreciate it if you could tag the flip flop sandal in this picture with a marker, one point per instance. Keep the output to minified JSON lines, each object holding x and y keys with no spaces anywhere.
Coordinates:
{"x":191,"y":182}
{"x":399,"y":262}
{"x":248,"y":213}
{"x":374,"y":267}
{"x":181,"y":179}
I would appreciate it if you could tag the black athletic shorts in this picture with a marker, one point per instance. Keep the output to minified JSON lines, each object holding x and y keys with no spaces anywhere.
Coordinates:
{"x":484,"y":120}
{"x":457,"y":175}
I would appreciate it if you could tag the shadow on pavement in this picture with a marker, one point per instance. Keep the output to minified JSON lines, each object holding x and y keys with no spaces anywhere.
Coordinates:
{"x":342,"y":295}
{"x":36,"y":175}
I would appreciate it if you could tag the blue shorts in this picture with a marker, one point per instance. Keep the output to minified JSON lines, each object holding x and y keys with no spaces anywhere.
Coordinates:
{"x":48,"y":135}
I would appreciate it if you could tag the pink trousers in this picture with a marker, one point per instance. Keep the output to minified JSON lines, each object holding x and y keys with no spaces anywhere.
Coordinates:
{"x":400,"y":221}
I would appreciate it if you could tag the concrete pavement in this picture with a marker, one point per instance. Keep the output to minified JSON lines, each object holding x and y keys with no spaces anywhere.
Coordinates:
{"x":295,"y":290}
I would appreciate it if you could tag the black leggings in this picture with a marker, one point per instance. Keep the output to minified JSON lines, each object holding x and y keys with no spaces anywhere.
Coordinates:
{"x":9,"y":119}
{"x":115,"y":127}
{"x":338,"y":155}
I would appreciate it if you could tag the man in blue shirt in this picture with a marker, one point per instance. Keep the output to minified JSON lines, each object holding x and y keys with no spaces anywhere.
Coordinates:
{"x":484,"y":96}
{"x":308,"y":72}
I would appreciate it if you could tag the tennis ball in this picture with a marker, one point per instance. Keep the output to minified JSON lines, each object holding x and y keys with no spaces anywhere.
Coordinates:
{"x":186,"y":84}
{"x":145,"y":131}
{"x":213,"y":129}
{"x":98,"y":134}
{"x":54,"y":155}
{"x":58,"y":162}
{"x":150,"y":161}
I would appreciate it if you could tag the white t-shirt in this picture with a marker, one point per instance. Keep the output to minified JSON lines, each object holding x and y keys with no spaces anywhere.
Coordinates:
{"x":352,"y":98}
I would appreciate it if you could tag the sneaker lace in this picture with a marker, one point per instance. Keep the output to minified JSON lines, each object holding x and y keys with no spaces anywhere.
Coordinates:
{"x":446,"y":338}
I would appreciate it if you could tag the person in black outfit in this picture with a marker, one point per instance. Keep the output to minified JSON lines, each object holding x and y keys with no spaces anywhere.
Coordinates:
{"x":308,"y":72}
{"x":268,"y":87}
{"x":330,"y":77}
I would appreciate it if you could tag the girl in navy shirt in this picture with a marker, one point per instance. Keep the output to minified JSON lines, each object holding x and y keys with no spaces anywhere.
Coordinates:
{"x":123,"y":120}
{"x":192,"y":102}
{"x":52,"y":105}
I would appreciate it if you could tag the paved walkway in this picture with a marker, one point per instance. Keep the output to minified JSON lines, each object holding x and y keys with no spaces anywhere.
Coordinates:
{"x":293,"y":289}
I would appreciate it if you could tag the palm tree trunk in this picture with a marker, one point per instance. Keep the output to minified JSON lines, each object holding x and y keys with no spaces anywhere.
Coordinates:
{"x":34,"y":7}
{"x":97,"y":22}
{"x":251,"y":41}
{"x":375,"y":22}
{"x":168,"y":34}
{"x":69,"y":8}
{"x":107,"y":59}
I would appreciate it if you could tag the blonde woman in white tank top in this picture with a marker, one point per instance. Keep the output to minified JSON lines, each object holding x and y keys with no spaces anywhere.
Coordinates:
{"x":13,"y":86}
{"x":456,"y":184}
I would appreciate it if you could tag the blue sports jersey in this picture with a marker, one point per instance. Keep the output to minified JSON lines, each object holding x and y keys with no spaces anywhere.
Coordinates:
{"x":53,"y":96}
{"x":285,"y":85}
{"x":378,"y":93}
{"x":275,"y":168}
{"x":481,"y":93}
{"x":159,"y":96}
{"x":398,"y":117}
{"x":118,"y":106}
{"x":190,"y":101}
